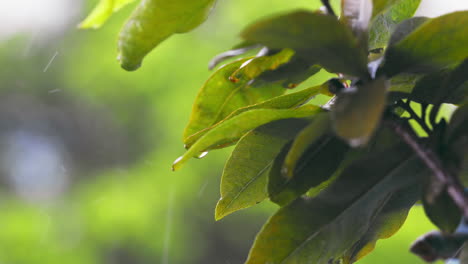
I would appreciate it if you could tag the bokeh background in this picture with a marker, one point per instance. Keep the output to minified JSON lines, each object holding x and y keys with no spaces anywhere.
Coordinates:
{"x":86,"y":148}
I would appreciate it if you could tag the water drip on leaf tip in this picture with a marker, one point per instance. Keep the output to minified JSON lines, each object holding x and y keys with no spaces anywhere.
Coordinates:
{"x":202,"y":155}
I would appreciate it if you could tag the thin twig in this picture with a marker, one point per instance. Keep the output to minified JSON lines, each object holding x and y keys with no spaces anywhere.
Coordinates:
{"x":329,"y":8}
{"x":421,"y":120}
{"x":454,"y":187}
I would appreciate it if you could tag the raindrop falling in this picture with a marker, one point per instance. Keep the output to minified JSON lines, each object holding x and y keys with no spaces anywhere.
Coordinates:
{"x":50,"y":61}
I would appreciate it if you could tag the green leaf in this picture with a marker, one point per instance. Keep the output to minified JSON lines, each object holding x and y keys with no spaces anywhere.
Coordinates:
{"x":456,"y":142}
{"x":153,"y":21}
{"x":405,"y":28}
{"x":231,"y":53}
{"x":439,"y":206}
{"x":290,"y":74}
{"x":319,"y":126}
{"x":321,"y":229}
{"x":286,"y":101}
{"x":233,"y":129}
{"x":357,"y":111}
{"x":380,"y":6}
{"x":436,"y":44}
{"x":384,"y":24}
{"x":102,"y":12}
{"x":244,"y":180}
{"x":319,"y":38}
{"x":445,"y":86}
{"x":317,"y":165}
{"x":219,"y":97}
{"x":385,"y":225}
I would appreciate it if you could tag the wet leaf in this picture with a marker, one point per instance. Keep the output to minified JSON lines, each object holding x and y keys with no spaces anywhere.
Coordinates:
{"x":320,"y":229}
{"x":388,"y":22}
{"x":233,"y":129}
{"x":286,"y":101}
{"x":102,"y":12}
{"x":438,"y":43}
{"x":244,"y":180}
{"x":319,"y":38}
{"x":153,"y":21}
{"x":357,"y":111}
{"x":317,"y":165}
{"x":439,"y":206}
{"x":219,"y":97}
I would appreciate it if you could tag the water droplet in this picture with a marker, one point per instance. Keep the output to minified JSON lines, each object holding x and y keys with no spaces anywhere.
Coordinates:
{"x":176,"y":165}
{"x":202,"y":155}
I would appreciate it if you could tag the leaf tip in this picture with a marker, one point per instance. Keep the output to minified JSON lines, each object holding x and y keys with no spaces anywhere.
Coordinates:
{"x":126,"y":64}
{"x":177,"y":164}
{"x":220,"y":211}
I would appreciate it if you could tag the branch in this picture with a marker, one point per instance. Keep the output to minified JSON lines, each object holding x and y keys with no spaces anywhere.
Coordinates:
{"x":329,"y":8}
{"x":454,"y":187}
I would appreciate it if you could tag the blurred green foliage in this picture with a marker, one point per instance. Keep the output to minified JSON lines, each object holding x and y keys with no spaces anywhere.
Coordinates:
{"x":139,"y":211}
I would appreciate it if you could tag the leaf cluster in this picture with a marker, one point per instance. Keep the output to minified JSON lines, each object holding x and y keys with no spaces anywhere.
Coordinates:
{"x":344,"y":174}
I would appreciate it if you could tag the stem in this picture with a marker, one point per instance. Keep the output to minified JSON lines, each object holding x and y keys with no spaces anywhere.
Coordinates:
{"x":421,"y":120}
{"x":431,"y":160}
{"x":329,"y":8}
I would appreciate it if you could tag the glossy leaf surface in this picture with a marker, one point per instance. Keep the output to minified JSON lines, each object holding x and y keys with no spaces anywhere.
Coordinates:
{"x":244,"y":180}
{"x":286,"y":101}
{"x":153,"y":21}
{"x":231,"y":130}
{"x":319,"y":38}
{"x":219,"y":97}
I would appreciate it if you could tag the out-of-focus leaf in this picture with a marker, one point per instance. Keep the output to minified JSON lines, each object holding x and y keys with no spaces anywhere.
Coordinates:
{"x":385,"y":225}
{"x":153,"y":21}
{"x":380,"y":6}
{"x":436,"y":245}
{"x":456,"y":142}
{"x":321,"y":229}
{"x":317,"y":165}
{"x":319,"y":38}
{"x":244,"y":180}
{"x":439,"y":206}
{"x":464,"y":254}
{"x":438,"y":43}
{"x":357,"y":14}
{"x":357,"y":111}
{"x":233,"y":129}
{"x":102,"y":12}
{"x":445,"y":86}
{"x":281,"y":102}
{"x":219,"y":97}
{"x":319,"y":126}
{"x":384,"y":24}
{"x":405,"y":28}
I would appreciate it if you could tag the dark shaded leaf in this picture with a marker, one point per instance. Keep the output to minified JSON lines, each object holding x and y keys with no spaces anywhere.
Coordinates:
{"x":385,"y":225}
{"x":286,"y":101}
{"x":315,"y":166}
{"x":438,"y":43}
{"x":386,"y":23}
{"x":219,"y":97}
{"x":321,"y":229}
{"x":405,"y":28}
{"x":231,"y":130}
{"x":358,"y":110}
{"x":244,"y":180}
{"x":439,"y":206}
{"x":464,"y":254}
{"x":319,"y":38}
{"x":445,"y":86}
{"x":153,"y":21}
{"x":436,"y":245}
